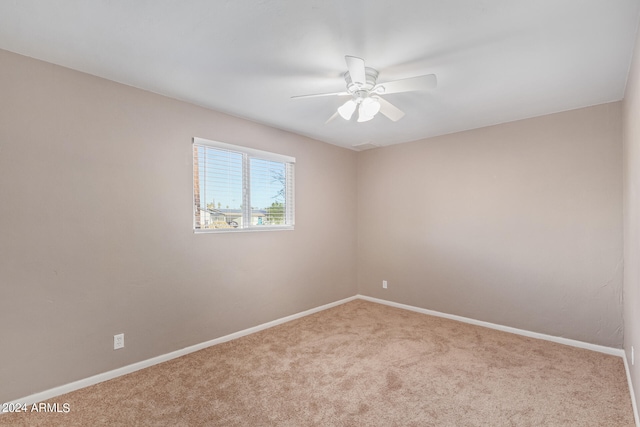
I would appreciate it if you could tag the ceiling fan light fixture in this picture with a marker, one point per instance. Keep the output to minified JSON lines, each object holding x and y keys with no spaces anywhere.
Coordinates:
{"x":362,"y":114}
{"x":346,"y":110}
{"x":369,"y":107}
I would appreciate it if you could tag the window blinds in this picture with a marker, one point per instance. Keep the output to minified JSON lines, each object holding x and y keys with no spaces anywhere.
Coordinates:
{"x":241,"y":188}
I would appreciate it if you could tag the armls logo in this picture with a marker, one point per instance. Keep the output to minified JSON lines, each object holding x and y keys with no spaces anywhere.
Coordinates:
{"x":64,"y":408}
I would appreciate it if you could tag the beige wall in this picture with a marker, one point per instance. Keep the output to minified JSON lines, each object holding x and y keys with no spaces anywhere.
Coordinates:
{"x":631,"y":212}
{"x":518,"y":224}
{"x":96,"y":229}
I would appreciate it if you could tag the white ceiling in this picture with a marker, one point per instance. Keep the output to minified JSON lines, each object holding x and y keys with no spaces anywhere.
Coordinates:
{"x":496,"y":60}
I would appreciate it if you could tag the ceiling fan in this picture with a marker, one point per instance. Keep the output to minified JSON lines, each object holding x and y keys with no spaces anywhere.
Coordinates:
{"x":366,"y":92}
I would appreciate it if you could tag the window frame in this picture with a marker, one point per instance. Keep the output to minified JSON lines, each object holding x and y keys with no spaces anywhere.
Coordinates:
{"x":248,"y":154}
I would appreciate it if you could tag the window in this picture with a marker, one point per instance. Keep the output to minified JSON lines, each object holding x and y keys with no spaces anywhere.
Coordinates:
{"x":238,"y":188}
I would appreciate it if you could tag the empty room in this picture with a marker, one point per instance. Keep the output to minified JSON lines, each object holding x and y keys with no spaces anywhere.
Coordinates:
{"x":319,"y":213}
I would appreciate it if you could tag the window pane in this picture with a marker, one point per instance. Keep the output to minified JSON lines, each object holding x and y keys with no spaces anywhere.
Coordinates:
{"x":217,"y":188}
{"x":240,"y":188}
{"x":268,"y":192}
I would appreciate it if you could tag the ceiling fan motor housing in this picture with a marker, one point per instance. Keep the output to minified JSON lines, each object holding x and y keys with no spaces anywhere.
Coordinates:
{"x":371,"y":77}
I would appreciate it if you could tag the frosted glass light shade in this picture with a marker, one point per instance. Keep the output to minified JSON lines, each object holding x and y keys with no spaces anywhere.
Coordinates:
{"x":363,"y":117}
{"x":369,"y":107}
{"x":346,"y":110}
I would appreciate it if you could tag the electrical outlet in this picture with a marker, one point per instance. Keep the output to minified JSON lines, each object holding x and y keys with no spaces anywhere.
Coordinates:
{"x":118,"y":341}
{"x":384,"y":284}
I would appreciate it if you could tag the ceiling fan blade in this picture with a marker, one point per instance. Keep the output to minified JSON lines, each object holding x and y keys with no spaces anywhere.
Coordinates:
{"x":316,"y":95}
{"x":330,"y":119}
{"x":390,"y":110}
{"x":355,"y":66}
{"x":428,"y":81}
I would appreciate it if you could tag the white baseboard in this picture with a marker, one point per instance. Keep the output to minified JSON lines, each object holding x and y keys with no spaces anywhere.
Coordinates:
{"x":573,"y":343}
{"x":76,"y":385}
{"x":631,"y":392}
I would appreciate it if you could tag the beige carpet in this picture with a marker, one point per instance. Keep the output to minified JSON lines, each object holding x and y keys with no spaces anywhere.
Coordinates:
{"x":362,"y":364}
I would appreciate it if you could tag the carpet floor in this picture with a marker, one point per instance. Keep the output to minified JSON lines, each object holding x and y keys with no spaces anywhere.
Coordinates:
{"x":361,"y":364}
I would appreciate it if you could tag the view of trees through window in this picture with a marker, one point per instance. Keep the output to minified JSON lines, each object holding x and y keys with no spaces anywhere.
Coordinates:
{"x":225,"y":181}
{"x":268,"y":186}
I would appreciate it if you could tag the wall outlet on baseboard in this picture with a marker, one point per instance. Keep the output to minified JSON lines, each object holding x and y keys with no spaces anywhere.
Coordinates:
{"x":118,"y":341}
{"x":384,"y":284}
